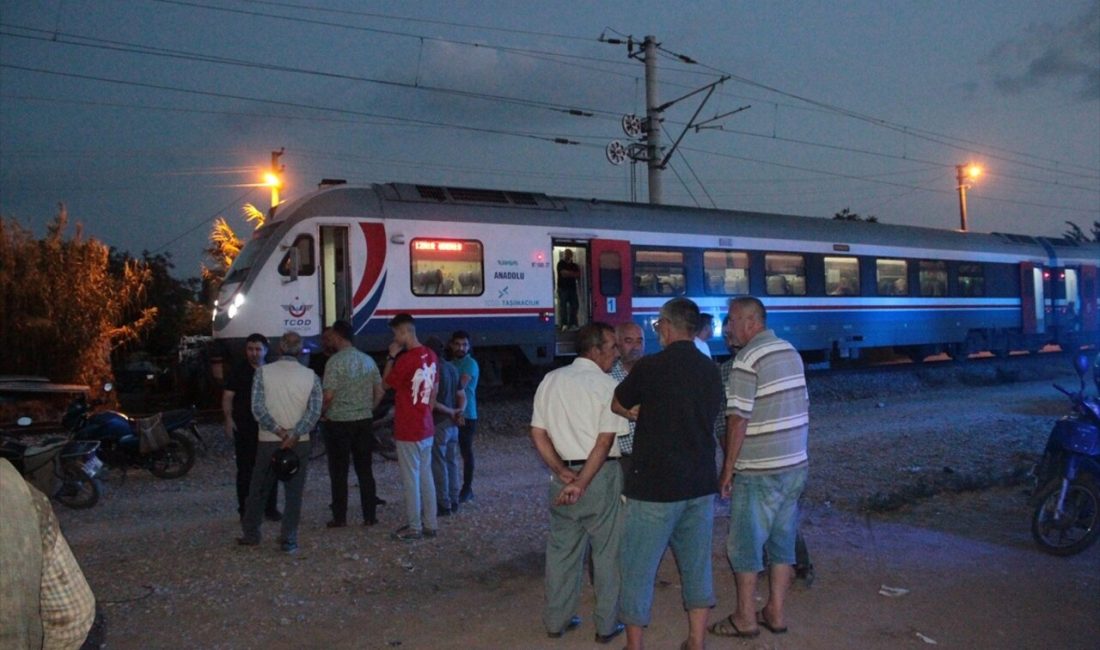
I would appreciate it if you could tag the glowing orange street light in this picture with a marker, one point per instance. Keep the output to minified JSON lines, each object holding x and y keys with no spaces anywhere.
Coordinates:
{"x":965,"y":175}
{"x":274,"y":178}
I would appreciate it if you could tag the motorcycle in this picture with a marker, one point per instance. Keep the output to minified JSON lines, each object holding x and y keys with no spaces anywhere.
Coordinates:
{"x":1066,"y":520}
{"x":59,"y":467}
{"x":124,"y":441}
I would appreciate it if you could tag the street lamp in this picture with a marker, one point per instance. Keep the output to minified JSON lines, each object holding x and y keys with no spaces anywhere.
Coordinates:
{"x":963,"y":174}
{"x":274,"y":178}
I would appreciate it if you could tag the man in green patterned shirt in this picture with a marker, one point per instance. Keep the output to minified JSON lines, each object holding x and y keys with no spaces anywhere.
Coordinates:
{"x":352,"y":386}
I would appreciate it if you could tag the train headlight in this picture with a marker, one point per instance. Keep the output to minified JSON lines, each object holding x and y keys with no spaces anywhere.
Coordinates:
{"x":238,"y":302}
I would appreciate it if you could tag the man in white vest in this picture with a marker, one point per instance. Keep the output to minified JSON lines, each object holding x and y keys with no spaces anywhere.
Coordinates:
{"x":286,"y":401}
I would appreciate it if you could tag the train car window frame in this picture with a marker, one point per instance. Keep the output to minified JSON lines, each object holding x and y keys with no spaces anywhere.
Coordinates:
{"x":932,"y":275}
{"x":662,"y":272}
{"x":890,"y":286}
{"x":727,"y":284}
{"x":307,"y":261}
{"x":974,"y":273}
{"x":783,"y":283}
{"x":453,"y":281}
{"x":843,"y":285}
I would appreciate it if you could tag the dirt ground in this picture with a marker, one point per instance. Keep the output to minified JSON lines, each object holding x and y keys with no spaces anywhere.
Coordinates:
{"x":161,"y":558}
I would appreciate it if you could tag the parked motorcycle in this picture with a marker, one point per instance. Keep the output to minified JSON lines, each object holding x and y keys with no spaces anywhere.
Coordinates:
{"x":62,"y":468}
{"x":1067,"y":500}
{"x":120,"y":437}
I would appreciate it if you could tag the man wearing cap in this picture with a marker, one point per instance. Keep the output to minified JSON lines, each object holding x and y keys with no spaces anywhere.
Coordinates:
{"x":412,"y":371}
{"x":286,"y":401}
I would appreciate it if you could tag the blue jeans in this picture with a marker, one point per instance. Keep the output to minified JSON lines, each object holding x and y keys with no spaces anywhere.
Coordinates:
{"x":764,"y":516}
{"x":650,"y":528}
{"x":415,"y":462}
{"x":445,"y":465}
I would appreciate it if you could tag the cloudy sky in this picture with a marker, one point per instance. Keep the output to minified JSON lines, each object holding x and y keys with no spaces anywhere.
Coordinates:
{"x":149,"y":118}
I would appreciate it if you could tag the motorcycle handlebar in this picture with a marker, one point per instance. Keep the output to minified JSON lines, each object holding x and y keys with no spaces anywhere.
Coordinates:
{"x":1064,"y":391}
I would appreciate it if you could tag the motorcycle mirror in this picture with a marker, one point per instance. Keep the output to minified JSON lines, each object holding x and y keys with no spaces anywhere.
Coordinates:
{"x":108,"y":387}
{"x":24,"y":421}
{"x":1081,"y":365}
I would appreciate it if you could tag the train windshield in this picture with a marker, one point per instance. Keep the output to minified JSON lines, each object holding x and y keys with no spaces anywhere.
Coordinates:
{"x":239,"y":269}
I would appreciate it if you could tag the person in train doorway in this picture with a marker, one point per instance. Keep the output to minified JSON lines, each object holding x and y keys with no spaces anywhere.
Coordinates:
{"x":412,"y":370}
{"x":352,"y":387}
{"x":450,"y":402}
{"x":568,"y":302}
{"x":574,"y":432}
{"x":241,"y":426}
{"x":705,"y":334}
{"x":765,"y":467}
{"x":630,"y":340}
{"x":468,"y":374}
{"x":674,"y":395}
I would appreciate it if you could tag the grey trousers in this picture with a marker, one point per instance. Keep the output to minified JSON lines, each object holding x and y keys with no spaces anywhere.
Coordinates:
{"x":263,"y":482}
{"x":414,"y":459}
{"x":595,"y":519}
{"x":448,"y":481}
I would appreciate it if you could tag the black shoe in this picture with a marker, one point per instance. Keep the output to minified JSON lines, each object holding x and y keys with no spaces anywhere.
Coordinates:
{"x":274,"y":515}
{"x":247,"y":541}
{"x":443,"y":512}
{"x":467,"y":494}
{"x":607,"y":638}
{"x":289,"y":548}
{"x":335,"y":523}
{"x":379,"y":502}
{"x":454,"y":507}
{"x":572,"y":624}
{"x":370,"y":521}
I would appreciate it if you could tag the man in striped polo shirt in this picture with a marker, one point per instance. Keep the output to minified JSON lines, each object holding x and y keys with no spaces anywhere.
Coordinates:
{"x":765,"y":467}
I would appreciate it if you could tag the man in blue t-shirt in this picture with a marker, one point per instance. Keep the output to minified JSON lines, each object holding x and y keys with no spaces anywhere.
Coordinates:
{"x":468,"y":373}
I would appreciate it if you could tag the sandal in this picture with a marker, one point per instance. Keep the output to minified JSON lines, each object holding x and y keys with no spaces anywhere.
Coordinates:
{"x":762,"y":621}
{"x":727,"y":628}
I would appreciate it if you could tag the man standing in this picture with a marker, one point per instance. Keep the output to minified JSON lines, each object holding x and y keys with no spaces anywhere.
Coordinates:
{"x":352,"y":387}
{"x":765,"y":467}
{"x":675,"y":396}
{"x":449,"y":404}
{"x":286,"y":402}
{"x":574,"y":431}
{"x":241,"y":426}
{"x":468,"y":373}
{"x":705,"y":333}
{"x":412,"y":371}
{"x":568,"y":272}
{"x":630,"y":341}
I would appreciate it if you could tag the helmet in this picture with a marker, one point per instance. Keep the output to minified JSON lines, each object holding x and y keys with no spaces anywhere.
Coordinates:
{"x":285,"y":464}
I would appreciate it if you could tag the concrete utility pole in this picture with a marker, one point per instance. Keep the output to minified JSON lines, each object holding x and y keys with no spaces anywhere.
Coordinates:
{"x":653,"y":120}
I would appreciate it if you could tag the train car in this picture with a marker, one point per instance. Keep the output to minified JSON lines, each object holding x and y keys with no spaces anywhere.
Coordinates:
{"x":484,"y":261}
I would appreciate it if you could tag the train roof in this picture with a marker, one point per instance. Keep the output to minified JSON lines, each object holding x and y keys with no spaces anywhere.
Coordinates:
{"x":401,"y":200}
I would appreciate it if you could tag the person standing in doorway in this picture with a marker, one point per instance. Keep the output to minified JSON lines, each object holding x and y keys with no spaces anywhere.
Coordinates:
{"x":468,"y":374}
{"x":568,"y":274}
{"x":412,"y":370}
{"x":241,"y":426}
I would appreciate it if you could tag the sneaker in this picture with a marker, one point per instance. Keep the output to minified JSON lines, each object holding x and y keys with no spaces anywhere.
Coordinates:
{"x":273,"y":515}
{"x":289,"y":548}
{"x":430,"y":533}
{"x":467,"y":494}
{"x":406,"y":534}
{"x":443,"y":512}
{"x":247,"y":541}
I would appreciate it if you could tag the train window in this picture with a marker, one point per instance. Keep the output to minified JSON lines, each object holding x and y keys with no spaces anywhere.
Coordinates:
{"x":933,"y":278}
{"x":726,"y":272}
{"x":841,"y":276}
{"x":785,"y":275}
{"x":659,"y":273}
{"x":447,"y":267}
{"x":611,"y":276}
{"x":971,"y":280}
{"x":892,"y":277}
{"x":300,"y":253}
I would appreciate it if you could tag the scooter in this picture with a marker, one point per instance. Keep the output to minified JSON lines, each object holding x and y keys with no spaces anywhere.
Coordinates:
{"x":170,"y":454}
{"x":1067,"y":500}
{"x":59,"y":467}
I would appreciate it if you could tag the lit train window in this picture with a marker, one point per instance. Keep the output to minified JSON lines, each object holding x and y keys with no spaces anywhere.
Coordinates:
{"x":892,"y":277}
{"x":726,"y":272}
{"x":841,"y":276}
{"x":785,"y":275}
{"x":447,"y":267}
{"x":971,"y":280}
{"x":302,"y":251}
{"x":933,"y":278}
{"x":659,"y":273}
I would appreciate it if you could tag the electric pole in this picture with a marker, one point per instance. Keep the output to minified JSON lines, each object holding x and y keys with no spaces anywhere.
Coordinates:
{"x":653,"y":120}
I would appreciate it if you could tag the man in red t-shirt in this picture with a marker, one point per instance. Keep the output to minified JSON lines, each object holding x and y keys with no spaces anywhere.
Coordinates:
{"x":412,"y":371}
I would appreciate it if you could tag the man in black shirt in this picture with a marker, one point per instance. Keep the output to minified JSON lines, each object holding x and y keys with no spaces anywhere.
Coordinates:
{"x":675,"y":396}
{"x":568,"y":272}
{"x":241,"y":426}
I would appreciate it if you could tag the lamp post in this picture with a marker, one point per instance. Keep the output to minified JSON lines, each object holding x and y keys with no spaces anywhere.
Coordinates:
{"x":964,"y":173}
{"x":274,"y":178}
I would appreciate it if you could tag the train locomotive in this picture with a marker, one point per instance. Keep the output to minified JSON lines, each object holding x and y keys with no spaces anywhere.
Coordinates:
{"x":484,"y":261}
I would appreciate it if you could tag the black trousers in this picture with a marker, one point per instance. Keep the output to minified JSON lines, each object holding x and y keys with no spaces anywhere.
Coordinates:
{"x":466,"y":447}
{"x":352,"y":441}
{"x":244,"y":446}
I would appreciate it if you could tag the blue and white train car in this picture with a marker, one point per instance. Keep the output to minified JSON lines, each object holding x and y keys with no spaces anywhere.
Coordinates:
{"x":484,"y":261}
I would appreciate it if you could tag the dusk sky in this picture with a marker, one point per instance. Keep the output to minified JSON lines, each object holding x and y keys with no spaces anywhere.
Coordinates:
{"x":149,"y":118}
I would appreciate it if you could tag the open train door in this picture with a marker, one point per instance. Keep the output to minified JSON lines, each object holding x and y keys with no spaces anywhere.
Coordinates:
{"x":1032,"y":302}
{"x":612,"y":280}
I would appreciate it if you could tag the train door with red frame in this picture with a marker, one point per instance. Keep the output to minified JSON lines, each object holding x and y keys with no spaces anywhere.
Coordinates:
{"x":612,"y":280}
{"x":1032,"y":301}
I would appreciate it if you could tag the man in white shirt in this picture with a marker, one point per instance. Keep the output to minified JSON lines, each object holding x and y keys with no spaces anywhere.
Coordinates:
{"x":574,"y":431}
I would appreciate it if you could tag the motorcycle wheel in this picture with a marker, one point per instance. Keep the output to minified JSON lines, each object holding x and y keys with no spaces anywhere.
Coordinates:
{"x":1080,"y":525}
{"x":78,"y":490}
{"x":174,"y":459}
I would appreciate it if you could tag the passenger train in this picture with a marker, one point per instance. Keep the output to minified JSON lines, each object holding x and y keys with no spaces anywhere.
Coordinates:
{"x":484,"y":261}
